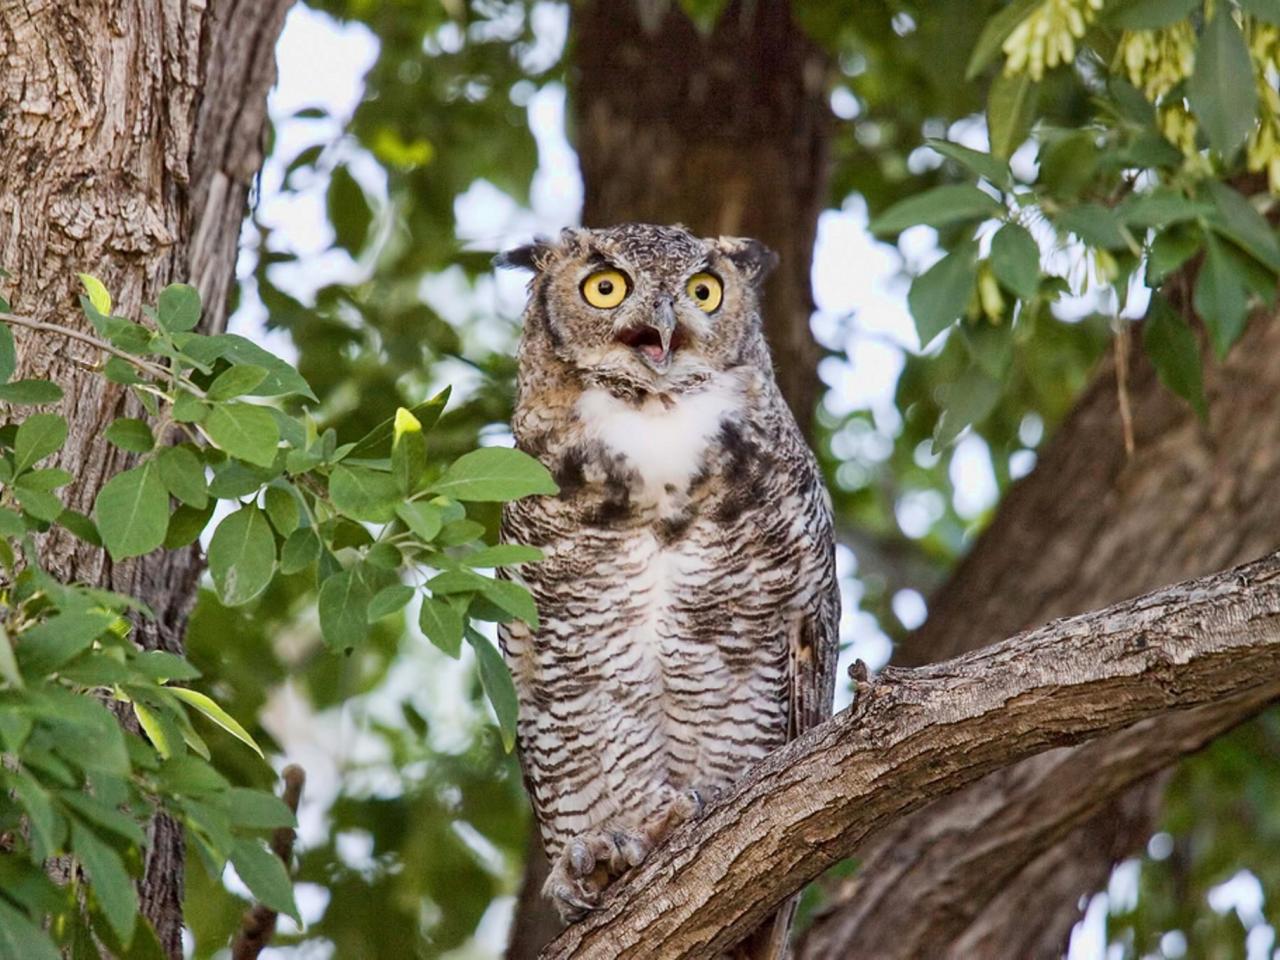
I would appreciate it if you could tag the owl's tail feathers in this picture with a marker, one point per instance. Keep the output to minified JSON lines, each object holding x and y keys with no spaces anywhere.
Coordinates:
{"x":769,"y":941}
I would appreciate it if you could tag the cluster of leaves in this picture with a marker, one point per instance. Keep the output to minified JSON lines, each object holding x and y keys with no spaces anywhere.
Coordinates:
{"x":375,"y":523}
{"x":1118,"y":191}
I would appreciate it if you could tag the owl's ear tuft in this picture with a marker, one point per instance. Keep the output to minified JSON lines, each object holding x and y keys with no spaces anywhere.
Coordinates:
{"x":752,"y":257}
{"x":532,"y":256}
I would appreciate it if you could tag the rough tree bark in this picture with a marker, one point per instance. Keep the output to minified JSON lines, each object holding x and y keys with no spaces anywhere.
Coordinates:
{"x":998,"y":870}
{"x":726,"y":133}
{"x":917,"y":734}
{"x":132,"y":132}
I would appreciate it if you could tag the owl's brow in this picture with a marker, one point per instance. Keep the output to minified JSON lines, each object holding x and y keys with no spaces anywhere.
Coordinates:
{"x":599,"y":261}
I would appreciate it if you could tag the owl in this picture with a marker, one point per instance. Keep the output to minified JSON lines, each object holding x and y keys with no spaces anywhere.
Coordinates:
{"x":687,"y":596}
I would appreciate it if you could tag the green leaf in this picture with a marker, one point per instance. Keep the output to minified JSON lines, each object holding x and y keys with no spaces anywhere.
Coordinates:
{"x":242,"y":556}
{"x":130,"y":434}
{"x":498,"y":686}
{"x":1267,"y":10}
{"x":31,"y":393}
{"x":103,"y":815}
{"x":188,"y":408}
{"x":408,"y":452}
{"x":495,"y":473}
{"x":513,"y":598}
{"x":1221,"y":89}
{"x":186,"y":524}
{"x":282,"y":379}
{"x":1173,"y":350}
{"x":1221,"y":298}
{"x":20,"y":939}
{"x":265,"y":876}
{"x":1160,"y":207}
{"x":81,"y":526}
{"x":111,"y":884}
{"x":938,"y":207}
{"x":969,"y":400}
{"x":990,"y":345}
{"x":179,"y":308}
{"x":940,"y":294}
{"x":97,"y":292}
{"x":364,"y":494}
{"x":9,"y":671}
{"x":282,"y":510}
{"x":11,"y":524}
{"x":156,"y":729}
{"x":236,"y":381}
{"x":344,"y":606}
{"x":983,"y":164}
{"x":40,"y":435}
{"x":1169,"y":250}
{"x":210,"y":709}
{"x":503,"y":555}
{"x":39,"y":503}
{"x":442,"y":624}
{"x":1015,"y":260}
{"x":458,"y":532}
{"x":424,"y":519}
{"x":1237,"y":220}
{"x":995,"y":33}
{"x":388,"y":600}
{"x":1149,"y":14}
{"x":1094,"y":224}
{"x":8,"y":353}
{"x":349,"y":211}
{"x":259,"y":810}
{"x":301,"y":549}
{"x":49,"y":826}
{"x":1011,"y":109}
{"x":245,"y":431}
{"x":132,"y":512}
{"x":377,"y":442}
{"x":50,"y":478}
{"x":45,"y":647}
{"x":182,"y":474}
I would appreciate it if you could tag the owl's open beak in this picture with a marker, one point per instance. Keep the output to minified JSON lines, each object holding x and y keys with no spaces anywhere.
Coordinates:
{"x":657,"y":341}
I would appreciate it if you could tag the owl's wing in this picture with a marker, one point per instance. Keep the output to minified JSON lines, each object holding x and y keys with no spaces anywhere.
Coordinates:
{"x":815,"y":645}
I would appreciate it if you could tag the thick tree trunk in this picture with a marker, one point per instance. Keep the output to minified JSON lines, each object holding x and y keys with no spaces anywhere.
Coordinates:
{"x":997,"y":870}
{"x":727,"y":133}
{"x":132,"y":132}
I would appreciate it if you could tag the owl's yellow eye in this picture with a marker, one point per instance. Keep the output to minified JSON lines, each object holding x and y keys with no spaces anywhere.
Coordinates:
{"x":706,"y":291}
{"x":605,"y":289}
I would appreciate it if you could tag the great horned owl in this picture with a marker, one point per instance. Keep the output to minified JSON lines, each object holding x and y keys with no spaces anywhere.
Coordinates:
{"x":687,"y":598}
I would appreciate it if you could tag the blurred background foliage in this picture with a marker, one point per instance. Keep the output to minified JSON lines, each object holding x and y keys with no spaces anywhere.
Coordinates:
{"x":412,"y":139}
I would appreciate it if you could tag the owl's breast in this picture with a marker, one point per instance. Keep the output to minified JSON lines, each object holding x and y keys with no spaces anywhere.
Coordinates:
{"x":660,"y":445}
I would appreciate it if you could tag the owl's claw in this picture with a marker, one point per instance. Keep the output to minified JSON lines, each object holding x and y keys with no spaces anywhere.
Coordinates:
{"x":589,"y":863}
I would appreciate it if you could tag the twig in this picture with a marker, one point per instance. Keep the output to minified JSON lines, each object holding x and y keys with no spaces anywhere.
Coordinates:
{"x":1122,"y":384}
{"x":74,"y":334}
{"x":259,"y":923}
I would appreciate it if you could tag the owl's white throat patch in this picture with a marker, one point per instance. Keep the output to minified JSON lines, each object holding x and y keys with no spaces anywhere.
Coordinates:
{"x":663,"y":439}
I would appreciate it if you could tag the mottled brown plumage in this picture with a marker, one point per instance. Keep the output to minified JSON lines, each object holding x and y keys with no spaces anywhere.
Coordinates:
{"x":688,"y":600}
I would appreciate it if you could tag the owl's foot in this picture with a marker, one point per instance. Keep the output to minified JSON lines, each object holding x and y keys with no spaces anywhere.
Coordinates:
{"x":589,"y":863}
{"x":674,"y":808}
{"x":592,"y":860}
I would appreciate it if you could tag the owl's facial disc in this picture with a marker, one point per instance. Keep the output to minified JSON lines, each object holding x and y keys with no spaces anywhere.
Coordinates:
{"x":657,"y":340}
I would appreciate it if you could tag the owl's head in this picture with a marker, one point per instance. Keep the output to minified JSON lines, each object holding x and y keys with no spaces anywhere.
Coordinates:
{"x":639,"y":307}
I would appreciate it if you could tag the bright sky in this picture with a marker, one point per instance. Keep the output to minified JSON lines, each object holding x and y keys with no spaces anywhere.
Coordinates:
{"x":861,"y":313}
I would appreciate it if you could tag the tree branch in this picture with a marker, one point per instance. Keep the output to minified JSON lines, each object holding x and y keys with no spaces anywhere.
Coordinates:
{"x":258,"y":925}
{"x":921,"y":733}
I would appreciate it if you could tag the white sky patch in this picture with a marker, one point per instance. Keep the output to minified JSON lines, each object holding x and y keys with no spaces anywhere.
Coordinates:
{"x":973,"y":478}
